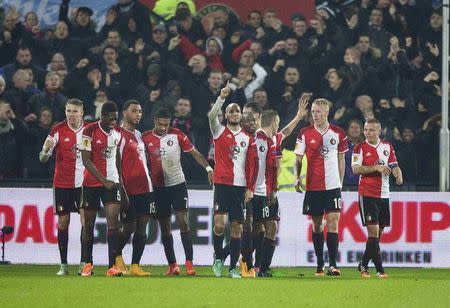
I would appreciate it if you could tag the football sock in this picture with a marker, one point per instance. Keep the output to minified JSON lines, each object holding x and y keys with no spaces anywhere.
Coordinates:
{"x":235,"y":250}
{"x":87,"y":244}
{"x":257,"y":244}
{"x":318,"y":247}
{"x":225,"y":251}
{"x":138,"y":247}
{"x":376,"y":258}
{"x":247,"y":249}
{"x":113,"y":242}
{"x":81,"y":244}
{"x":369,"y":252}
{"x":123,"y":240}
{"x":168,"y":248}
{"x":333,"y":245}
{"x":187,"y":245}
{"x":218,"y":242}
{"x":63,"y":240}
{"x":268,"y":250}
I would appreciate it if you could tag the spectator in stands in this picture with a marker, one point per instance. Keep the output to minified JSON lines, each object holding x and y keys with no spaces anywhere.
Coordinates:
{"x":18,"y":97}
{"x":407,"y":155}
{"x":355,"y":135}
{"x":81,"y":26}
{"x":31,"y":24}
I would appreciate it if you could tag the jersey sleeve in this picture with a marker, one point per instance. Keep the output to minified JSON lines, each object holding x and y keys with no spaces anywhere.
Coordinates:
{"x":300,"y":145}
{"x":251,"y":165}
{"x":392,"y":160}
{"x":184,"y":142}
{"x":278,"y":140}
{"x":86,"y":140}
{"x":343,"y":142}
{"x":357,"y":156}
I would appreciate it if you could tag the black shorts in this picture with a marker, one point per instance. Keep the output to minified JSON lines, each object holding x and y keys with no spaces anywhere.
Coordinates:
{"x":67,"y":200}
{"x":140,"y":205}
{"x":92,"y":196}
{"x":318,"y":202}
{"x":374,"y":211}
{"x":263,"y":210}
{"x":229,"y":200}
{"x":168,"y":198}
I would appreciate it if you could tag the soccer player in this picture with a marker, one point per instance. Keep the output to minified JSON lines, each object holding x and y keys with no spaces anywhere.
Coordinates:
{"x":101,"y":159}
{"x":236,"y":168}
{"x":138,"y":187}
{"x":63,"y":139}
{"x":259,"y":234}
{"x":324,"y":146}
{"x":164,"y":145}
{"x":374,"y":160}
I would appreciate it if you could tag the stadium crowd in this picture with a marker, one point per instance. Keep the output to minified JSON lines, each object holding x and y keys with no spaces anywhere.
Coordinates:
{"x":370,"y":58}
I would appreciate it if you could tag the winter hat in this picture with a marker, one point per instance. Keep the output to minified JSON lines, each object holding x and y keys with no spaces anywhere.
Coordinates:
{"x":218,"y":41}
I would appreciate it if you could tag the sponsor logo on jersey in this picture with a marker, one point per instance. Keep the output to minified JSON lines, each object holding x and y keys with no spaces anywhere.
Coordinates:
{"x":235,"y":149}
{"x":368,"y":154}
{"x":324,"y":151}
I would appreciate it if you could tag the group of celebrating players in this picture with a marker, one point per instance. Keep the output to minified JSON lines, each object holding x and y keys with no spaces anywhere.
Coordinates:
{"x":139,"y":176}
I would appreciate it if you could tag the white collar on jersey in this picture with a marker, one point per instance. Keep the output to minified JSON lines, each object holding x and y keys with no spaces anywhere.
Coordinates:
{"x":235,"y":132}
{"x":324,"y":132}
{"x":376,"y":145}
{"x":78,"y":129}
{"x":127,"y":129}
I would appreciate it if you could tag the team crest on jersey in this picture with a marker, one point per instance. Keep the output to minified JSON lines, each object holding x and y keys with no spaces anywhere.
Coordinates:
{"x":243,"y":144}
{"x":262,"y":148}
{"x":324,"y":151}
{"x":332,"y":141}
{"x":386,"y":153}
{"x":170,"y":143}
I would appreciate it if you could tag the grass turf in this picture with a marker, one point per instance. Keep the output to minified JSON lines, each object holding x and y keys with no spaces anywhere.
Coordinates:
{"x":37,"y":286}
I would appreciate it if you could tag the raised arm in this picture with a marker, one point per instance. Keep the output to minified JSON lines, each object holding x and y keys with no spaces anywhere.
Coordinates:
{"x":301,"y":113}
{"x":213,"y":115}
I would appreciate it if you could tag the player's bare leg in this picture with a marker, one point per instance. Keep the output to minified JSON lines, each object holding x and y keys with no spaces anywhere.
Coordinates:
{"x":246,"y":262}
{"x":218,"y":235}
{"x":112,"y":212}
{"x":333,"y":242}
{"x":235,"y":247}
{"x":258,"y":237}
{"x":182,"y":221}
{"x":80,"y":268}
{"x":268,"y":247}
{"x":139,"y":238}
{"x":128,"y":228}
{"x":318,"y":240}
{"x":88,"y":241}
{"x":63,"y":240}
{"x":167,"y":240}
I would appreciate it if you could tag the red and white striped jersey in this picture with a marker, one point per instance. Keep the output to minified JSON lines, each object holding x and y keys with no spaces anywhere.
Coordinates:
{"x":164,"y":156}
{"x":278,"y":139}
{"x":135,"y":174}
{"x":375,"y":184}
{"x":321,"y":151}
{"x":235,"y":157}
{"x":68,"y":163}
{"x":266,"y":179}
{"x":103,"y":148}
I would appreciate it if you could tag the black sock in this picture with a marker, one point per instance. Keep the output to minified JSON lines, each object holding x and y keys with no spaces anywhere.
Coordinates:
{"x":369,"y":252}
{"x":113,"y":242}
{"x":268,"y":250}
{"x":63,"y":240}
{"x":218,"y":243}
{"x":235,"y":250}
{"x":81,"y":245}
{"x":168,"y":248}
{"x":247,"y":249}
{"x":225,"y":252}
{"x":187,"y":245}
{"x":257,"y":244}
{"x":123,"y":240}
{"x":376,"y":258}
{"x":138,"y":247}
{"x":87,"y":243}
{"x":318,"y":247}
{"x":333,"y":246}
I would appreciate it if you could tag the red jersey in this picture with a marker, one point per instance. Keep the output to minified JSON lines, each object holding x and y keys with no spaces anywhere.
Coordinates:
{"x":68,"y":163}
{"x":103,"y":147}
{"x":266,"y":179}
{"x":236,"y":159}
{"x":164,"y":156}
{"x":321,"y":151}
{"x":375,"y":184}
{"x":135,"y":174}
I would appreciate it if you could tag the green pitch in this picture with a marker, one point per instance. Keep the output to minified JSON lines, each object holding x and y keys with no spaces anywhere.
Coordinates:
{"x":37,"y":286}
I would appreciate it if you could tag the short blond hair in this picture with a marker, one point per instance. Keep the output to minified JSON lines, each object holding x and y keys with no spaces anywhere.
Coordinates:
{"x":324,"y":103}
